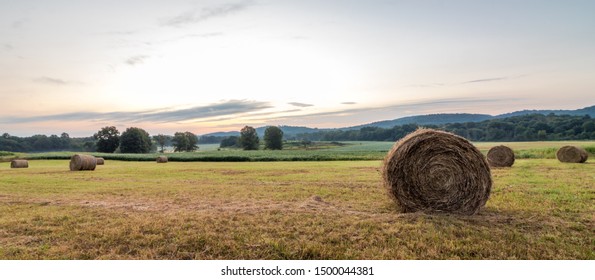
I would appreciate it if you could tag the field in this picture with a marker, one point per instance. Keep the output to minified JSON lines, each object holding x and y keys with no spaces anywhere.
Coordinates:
{"x":323,"y":151}
{"x":539,"y":209}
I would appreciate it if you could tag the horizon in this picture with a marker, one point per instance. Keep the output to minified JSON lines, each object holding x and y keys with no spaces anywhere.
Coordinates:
{"x":211,"y":66}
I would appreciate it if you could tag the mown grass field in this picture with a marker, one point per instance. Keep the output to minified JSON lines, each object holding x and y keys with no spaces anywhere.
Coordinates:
{"x":539,"y":209}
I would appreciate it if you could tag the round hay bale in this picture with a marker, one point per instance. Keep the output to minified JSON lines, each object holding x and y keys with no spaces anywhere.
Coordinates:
{"x":100,"y":161}
{"x":19,"y":163}
{"x":162,"y":159}
{"x":436,"y":171}
{"x":82,"y":162}
{"x":500,"y":156}
{"x":572,"y":154}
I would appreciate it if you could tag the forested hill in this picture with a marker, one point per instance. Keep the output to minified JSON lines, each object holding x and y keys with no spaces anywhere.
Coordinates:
{"x":532,"y":127}
{"x":579,"y":112}
{"x":427,"y":119}
{"x":432,"y":119}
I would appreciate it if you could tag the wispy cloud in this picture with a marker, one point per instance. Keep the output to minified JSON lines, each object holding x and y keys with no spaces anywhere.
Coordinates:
{"x":7,"y":47}
{"x":18,"y":23}
{"x":207,"y":13}
{"x":225,"y":108}
{"x":403,"y":109}
{"x":298,"y":104}
{"x":137,"y":59}
{"x":487,"y":80}
{"x":348,"y":103}
{"x":54,"y":81}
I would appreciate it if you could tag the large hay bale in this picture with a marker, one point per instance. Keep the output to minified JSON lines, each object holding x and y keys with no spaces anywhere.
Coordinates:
{"x":500,"y":156}
{"x":161,"y":159}
{"x":572,"y":154}
{"x":100,"y":161}
{"x":19,"y":163}
{"x":436,"y":171}
{"x":82,"y":162}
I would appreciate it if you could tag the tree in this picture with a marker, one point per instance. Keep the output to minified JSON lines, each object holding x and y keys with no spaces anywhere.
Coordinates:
{"x":248,"y":138}
{"x":135,"y":141}
{"x":273,"y":138}
{"x":161,"y":141}
{"x":229,"y":142}
{"x":185,"y":142}
{"x":108,"y":139}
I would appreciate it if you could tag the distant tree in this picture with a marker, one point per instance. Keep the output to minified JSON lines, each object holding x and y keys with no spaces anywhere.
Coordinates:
{"x":161,"y":140}
{"x":184,"y":142}
{"x":108,"y":139}
{"x":228,"y":142}
{"x":541,"y":135}
{"x":248,"y":138}
{"x":135,"y":141}
{"x":273,"y":138}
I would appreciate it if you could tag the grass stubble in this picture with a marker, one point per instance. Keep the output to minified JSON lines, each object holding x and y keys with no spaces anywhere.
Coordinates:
{"x":538,"y":209}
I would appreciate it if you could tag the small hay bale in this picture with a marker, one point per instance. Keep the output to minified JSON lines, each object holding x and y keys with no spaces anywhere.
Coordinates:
{"x":100,"y":161}
{"x":161,"y":159}
{"x":19,"y":163}
{"x":82,"y":162}
{"x":500,"y":156}
{"x":572,"y":154}
{"x":436,"y":171}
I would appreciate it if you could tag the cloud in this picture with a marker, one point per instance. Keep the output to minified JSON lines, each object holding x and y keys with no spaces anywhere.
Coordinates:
{"x":54,"y":81}
{"x":496,"y":79}
{"x":298,"y":104}
{"x":137,"y":59}
{"x":7,"y":47}
{"x":348,"y":103}
{"x":207,"y":13}
{"x":18,"y":23}
{"x":404,"y":109}
{"x":487,"y":80}
{"x":221,"y":109}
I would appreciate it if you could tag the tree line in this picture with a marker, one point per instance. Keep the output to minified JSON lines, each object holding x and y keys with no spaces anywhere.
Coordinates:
{"x":133,"y":140}
{"x":535,"y":127}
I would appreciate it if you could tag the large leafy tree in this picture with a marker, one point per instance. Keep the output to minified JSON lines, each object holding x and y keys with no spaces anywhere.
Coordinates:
{"x":135,"y":141}
{"x":185,"y":142}
{"x":273,"y":138}
{"x":108,"y":139}
{"x":248,"y":138}
{"x":161,"y":141}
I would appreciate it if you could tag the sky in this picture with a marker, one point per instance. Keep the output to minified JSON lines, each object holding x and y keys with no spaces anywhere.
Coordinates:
{"x":207,"y":66}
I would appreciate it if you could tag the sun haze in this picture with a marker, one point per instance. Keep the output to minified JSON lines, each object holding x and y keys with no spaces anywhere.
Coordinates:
{"x":206,"y":66}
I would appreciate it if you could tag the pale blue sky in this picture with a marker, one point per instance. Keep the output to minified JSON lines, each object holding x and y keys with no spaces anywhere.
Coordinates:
{"x":207,"y":66}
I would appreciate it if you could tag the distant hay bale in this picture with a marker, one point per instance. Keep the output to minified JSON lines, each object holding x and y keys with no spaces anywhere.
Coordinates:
{"x":500,"y":156}
{"x":436,"y":171}
{"x":161,"y":159}
{"x":82,"y":162}
{"x":19,"y":163}
{"x":100,"y":161}
{"x":572,"y":154}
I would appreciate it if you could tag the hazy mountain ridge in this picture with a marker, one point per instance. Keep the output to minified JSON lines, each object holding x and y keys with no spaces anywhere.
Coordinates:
{"x":431,"y":119}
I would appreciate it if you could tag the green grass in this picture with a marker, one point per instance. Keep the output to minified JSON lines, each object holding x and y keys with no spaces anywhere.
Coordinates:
{"x":322,"y":151}
{"x":539,"y":209}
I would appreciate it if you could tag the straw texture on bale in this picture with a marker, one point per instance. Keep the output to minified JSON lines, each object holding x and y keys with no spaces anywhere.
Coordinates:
{"x":161,"y":159}
{"x":19,"y":163}
{"x":572,"y":154}
{"x":500,"y":156}
{"x":436,"y":171}
{"x":100,"y":161}
{"x":82,"y":162}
